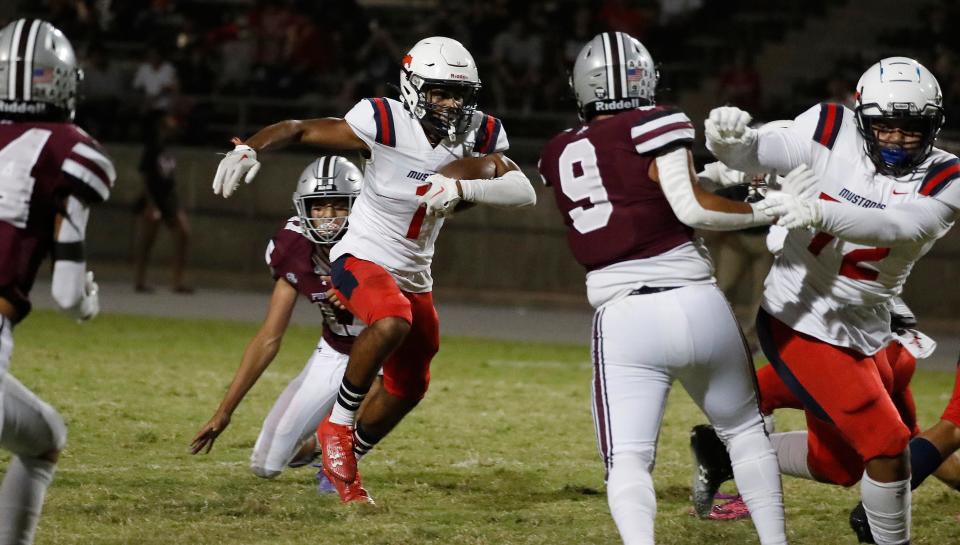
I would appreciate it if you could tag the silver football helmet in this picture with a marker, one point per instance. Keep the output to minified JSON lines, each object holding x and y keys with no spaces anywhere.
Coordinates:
{"x":899,"y":93}
{"x":444,"y":64}
{"x":327,"y":177}
{"x":39,"y":75}
{"x":612,"y":73}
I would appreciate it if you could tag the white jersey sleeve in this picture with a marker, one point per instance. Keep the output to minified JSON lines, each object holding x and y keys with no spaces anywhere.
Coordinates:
{"x":372,"y":120}
{"x":783,"y":149}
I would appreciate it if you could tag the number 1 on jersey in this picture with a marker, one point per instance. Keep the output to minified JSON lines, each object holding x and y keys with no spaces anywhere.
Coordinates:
{"x":413,"y":231}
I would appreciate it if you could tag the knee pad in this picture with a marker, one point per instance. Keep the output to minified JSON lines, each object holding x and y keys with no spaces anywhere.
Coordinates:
{"x":57,"y":427}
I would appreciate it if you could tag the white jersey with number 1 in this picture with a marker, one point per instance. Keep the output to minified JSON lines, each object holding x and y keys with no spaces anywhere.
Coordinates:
{"x":387,"y":224}
{"x":831,"y":289}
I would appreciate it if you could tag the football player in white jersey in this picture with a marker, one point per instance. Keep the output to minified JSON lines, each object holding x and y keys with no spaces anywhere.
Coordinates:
{"x":298,"y":257}
{"x":381,"y":267}
{"x":886,"y":195}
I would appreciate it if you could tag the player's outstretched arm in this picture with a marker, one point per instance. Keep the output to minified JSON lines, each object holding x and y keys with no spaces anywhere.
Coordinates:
{"x":256,"y":358}
{"x":72,"y":286}
{"x":907,"y":223}
{"x":695,"y":206}
{"x":241,"y":163}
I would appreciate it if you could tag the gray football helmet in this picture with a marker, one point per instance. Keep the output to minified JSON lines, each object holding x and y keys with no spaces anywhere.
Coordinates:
{"x":38,"y":72}
{"x":327,"y":177}
{"x":613,"y":72}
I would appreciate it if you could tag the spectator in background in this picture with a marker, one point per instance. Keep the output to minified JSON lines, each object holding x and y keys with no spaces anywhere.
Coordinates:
{"x":517,"y":59}
{"x":103,"y":84}
{"x":156,"y":80}
{"x":160,"y":202}
{"x":378,"y":58}
{"x":740,"y":83}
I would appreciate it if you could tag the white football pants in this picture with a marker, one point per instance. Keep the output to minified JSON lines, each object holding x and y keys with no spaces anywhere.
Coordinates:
{"x":30,"y":429}
{"x":298,"y":411}
{"x":641,"y":344}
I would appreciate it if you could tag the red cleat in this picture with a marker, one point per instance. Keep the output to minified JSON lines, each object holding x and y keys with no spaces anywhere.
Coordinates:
{"x":352,"y":492}
{"x":336,"y":442}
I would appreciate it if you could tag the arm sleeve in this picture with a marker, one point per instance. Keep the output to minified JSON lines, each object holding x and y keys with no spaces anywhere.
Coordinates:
{"x":674,"y":168}
{"x":513,"y":189}
{"x":912,"y":222}
{"x":69,"y":265}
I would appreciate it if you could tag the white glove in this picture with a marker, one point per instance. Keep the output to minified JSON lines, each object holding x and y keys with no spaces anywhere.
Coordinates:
{"x":792,"y":211}
{"x":801,"y":182}
{"x":727,"y":125}
{"x":239,"y":163}
{"x":90,"y":303}
{"x":723,"y":176}
{"x":442,"y":197}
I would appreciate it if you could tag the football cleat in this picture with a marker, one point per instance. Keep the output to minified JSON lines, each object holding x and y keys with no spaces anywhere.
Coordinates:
{"x":336,"y":442}
{"x":735,"y":509}
{"x":713,"y":467}
{"x":352,"y":492}
{"x":860,"y":524}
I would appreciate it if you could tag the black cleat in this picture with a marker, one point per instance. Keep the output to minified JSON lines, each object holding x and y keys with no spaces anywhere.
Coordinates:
{"x":713,"y":467}
{"x":860,"y":524}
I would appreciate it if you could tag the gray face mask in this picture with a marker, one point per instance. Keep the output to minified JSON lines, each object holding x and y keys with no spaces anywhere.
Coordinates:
{"x":327,"y":178}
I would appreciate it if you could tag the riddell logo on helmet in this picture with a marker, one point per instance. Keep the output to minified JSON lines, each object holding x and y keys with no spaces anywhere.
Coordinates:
{"x":22,"y":107}
{"x":459,"y":76}
{"x":619,"y":104}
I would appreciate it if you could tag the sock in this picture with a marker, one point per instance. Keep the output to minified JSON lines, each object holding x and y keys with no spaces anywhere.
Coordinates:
{"x":758,"y":479}
{"x":632,"y":501}
{"x":363,"y":442}
{"x":791,"y":448}
{"x":21,"y":498}
{"x":348,"y":401}
{"x":888,"y":509}
{"x":924,"y":460}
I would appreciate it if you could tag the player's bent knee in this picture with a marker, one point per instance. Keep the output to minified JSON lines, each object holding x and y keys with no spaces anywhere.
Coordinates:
{"x":638,"y":457}
{"x":410,"y":388}
{"x":392,"y":327}
{"x":263,"y":472}
{"x":57,"y":434}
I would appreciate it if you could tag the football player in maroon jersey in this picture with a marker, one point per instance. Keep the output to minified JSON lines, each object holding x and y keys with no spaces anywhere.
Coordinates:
{"x":299,"y":259}
{"x":625,"y":184}
{"x":52,"y":172}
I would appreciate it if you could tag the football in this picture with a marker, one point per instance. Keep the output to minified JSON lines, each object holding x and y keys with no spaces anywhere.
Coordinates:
{"x":470,"y":168}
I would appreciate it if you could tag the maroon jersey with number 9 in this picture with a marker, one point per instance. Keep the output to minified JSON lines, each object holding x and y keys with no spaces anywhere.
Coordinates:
{"x":599,"y":172}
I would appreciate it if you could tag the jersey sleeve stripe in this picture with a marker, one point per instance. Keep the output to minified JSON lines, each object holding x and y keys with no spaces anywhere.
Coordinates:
{"x":383,"y":117}
{"x":487,"y":135}
{"x":828,"y":127}
{"x":669,"y":137}
{"x":101,"y":160}
{"x":87,"y":176}
{"x":939,"y":177}
{"x":656,"y":125}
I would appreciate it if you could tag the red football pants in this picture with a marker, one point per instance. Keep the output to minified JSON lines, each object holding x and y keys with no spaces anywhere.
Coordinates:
{"x":847,"y":397}
{"x":371,"y":294}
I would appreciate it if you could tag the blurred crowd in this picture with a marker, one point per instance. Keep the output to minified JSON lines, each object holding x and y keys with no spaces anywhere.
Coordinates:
{"x":173,"y":55}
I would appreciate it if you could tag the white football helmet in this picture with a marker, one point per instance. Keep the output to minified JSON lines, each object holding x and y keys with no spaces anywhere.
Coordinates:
{"x":902,"y":93}
{"x":440,"y":63}
{"x":327,"y":177}
{"x":613,"y":72}
{"x":38,"y":72}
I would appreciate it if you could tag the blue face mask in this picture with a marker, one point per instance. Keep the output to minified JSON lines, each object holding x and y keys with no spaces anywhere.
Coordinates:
{"x":895,"y":155}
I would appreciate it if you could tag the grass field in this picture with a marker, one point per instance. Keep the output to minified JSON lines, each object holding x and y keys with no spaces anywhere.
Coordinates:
{"x":500,"y":452}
